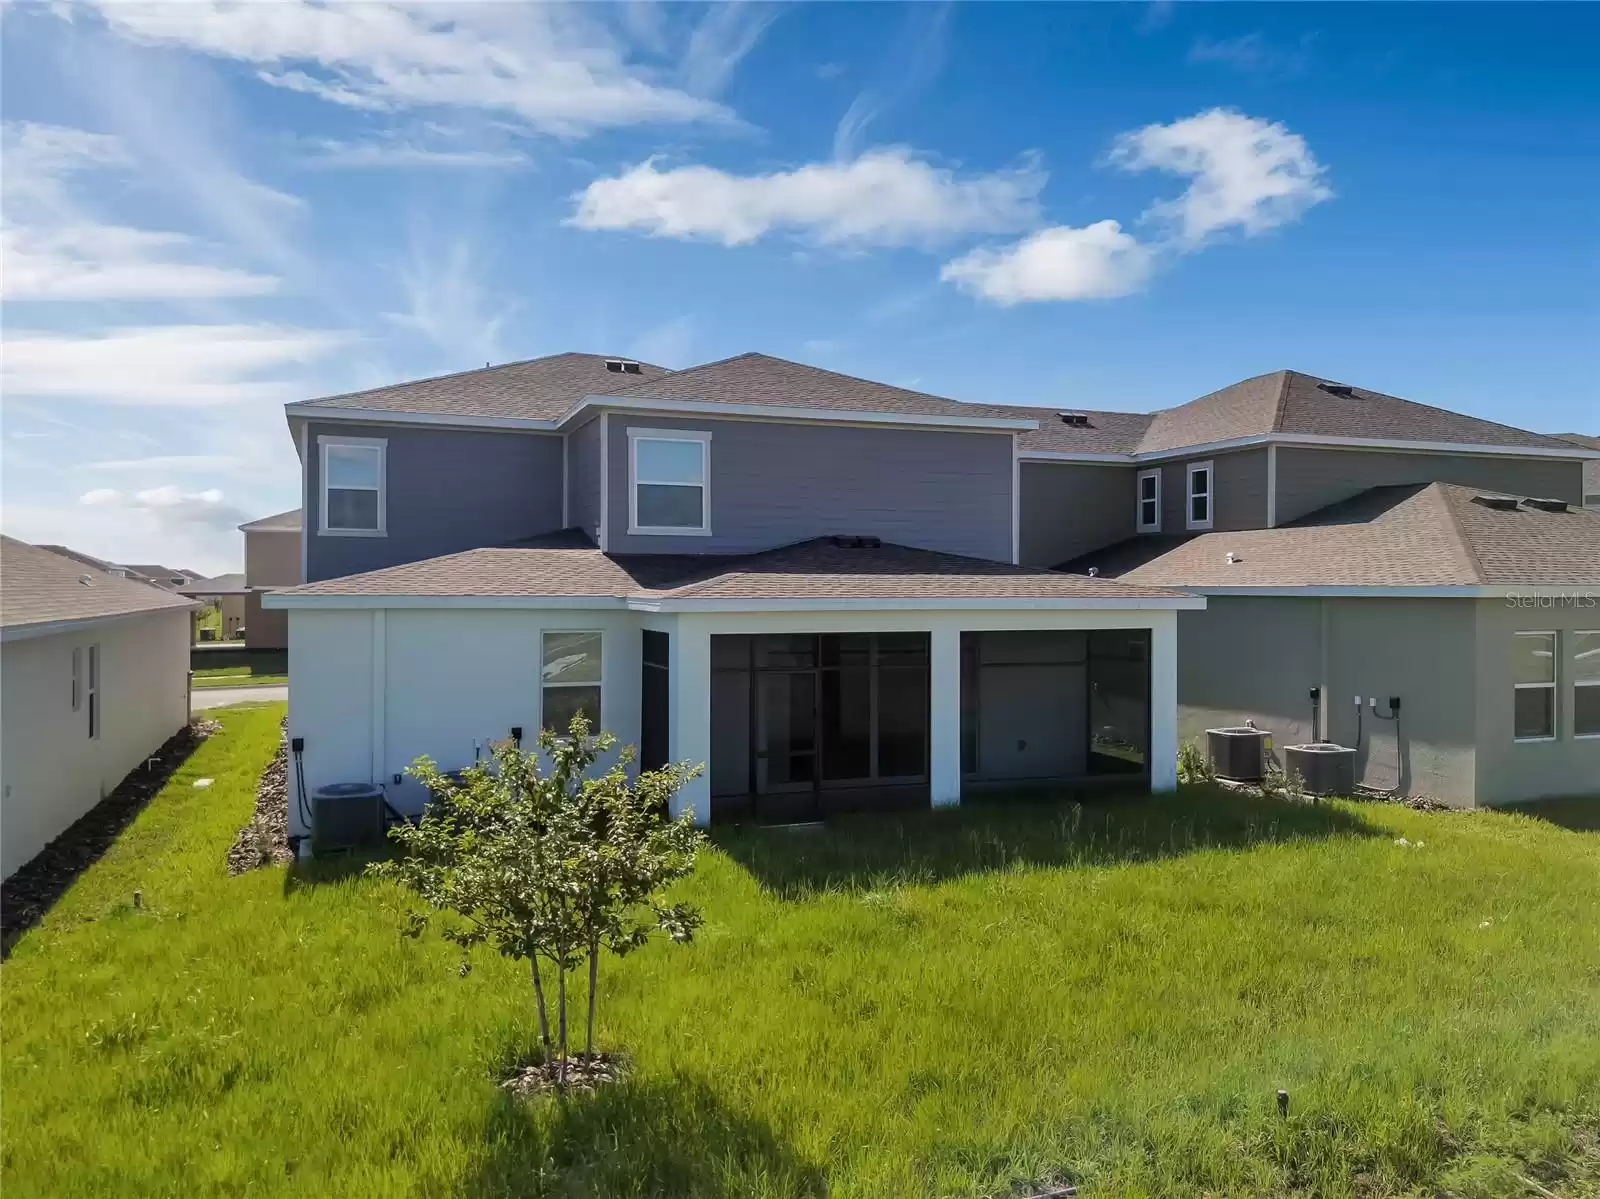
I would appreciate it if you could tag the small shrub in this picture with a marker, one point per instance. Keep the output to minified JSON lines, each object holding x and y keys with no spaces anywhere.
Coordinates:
{"x":1194,"y":766}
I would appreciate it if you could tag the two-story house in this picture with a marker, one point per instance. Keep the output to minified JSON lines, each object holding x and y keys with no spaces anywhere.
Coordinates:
{"x":834,"y":592}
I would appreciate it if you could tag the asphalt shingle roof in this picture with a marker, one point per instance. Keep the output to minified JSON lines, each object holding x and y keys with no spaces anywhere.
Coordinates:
{"x":1423,"y":535}
{"x":1591,"y":468}
{"x":538,"y":389}
{"x":39,"y":586}
{"x":569,"y":565}
{"x":279,"y":521}
{"x":1291,"y":402}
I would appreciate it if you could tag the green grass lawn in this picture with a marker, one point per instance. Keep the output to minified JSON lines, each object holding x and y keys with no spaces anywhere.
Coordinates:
{"x":246,"y":666}
{"x":938,"y":1004}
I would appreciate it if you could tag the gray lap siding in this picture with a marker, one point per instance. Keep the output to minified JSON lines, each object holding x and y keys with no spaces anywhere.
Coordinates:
{"x":773,"y":483}
{"x":1238,"y":491}
{"x":1072,"y":508}
{"x":446,"y":490}
{"x":583,"y":478}
{"x":1309,"y":479}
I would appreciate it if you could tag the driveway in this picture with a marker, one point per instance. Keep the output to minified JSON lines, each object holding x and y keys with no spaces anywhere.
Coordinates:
{"x":218,"y":697}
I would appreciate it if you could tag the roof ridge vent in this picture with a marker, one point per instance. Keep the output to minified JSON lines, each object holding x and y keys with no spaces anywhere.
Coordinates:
{"x":624,"y":366}
{"x":1501,"y":503}
{"x":855,"y":543}
{"x":1343,"y":390}
{"x":1545,"y":505}
{"x":1079,"y":420}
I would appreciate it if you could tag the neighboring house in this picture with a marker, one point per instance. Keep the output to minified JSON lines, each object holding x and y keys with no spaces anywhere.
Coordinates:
{"x":647,"y":541}
{"x":229,"y":591}
{"x":96,"y":678}
{"x":164,"y":577}
{"x":272,"y":559}
{"x":1591,"y":469}
{"x":1479,"y":611}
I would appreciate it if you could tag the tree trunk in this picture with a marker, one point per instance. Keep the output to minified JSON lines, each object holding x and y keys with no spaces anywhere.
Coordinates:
{"x":561,"y":1009}
{"x":544,"y":1015}
{"x":594,"y":969}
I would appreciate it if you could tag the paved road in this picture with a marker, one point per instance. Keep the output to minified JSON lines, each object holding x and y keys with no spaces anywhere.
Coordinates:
{"x":217,"y":697}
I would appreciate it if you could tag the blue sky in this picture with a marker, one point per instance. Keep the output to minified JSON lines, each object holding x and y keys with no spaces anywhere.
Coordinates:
{"x":211,"y":210}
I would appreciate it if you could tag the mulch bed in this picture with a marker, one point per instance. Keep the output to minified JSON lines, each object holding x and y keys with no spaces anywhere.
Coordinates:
{"x":585,"y":1072}
{"x":265,"y":839}
{"x":33,"y":890}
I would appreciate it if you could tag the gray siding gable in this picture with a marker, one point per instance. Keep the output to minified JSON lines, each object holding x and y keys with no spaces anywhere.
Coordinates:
{"x":1238,"y":491}
{"x":446,"y":490}
{"x":1073,"y":508}
{"x":775,"y":482}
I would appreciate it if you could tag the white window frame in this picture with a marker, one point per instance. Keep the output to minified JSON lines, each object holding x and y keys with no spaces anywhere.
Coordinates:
{"x":325,"y":442}
{"x":703,"y":440}
{"x":1578,"y":683}
{"x":92,"y":693}
{"x":1140,"y":501}
{"x":545,"y":684}
{"x":1190,"y":495}
{"x":1551,"y":686}
{"x":77,"y":678}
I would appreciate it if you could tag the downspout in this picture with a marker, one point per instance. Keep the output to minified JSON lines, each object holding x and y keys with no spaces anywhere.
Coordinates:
{"x":605,"y":484}
{"x":1272,"y":485}
{"x":1016,"y":504}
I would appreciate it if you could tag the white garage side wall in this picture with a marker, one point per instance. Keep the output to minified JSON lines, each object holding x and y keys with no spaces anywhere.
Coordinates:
{"x":691,"y":678}
{"x":51,"y":772}
{"x":330,"y":704}
{"x":375,"y":690}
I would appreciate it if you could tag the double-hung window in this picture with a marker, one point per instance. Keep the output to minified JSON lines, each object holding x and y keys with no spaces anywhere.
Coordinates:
{"x":669,"y":489}
{"x":1586,"y":683}
{"x":77,"y":678}
{"x":1198,"y":513}
{"x":1533,"y":680}
{"x":354,"y":495}
{"x":570,"y":679}
{"x":1149,"y":501}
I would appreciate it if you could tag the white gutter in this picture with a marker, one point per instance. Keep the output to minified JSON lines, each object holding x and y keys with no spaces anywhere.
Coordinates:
{"x":918,"y":604}
{"x":1310,"y":439}
{"x":308,"y":410}
{"x":300,"y":602}
{"x":1576,"y":595}
{"x":43,"y":628}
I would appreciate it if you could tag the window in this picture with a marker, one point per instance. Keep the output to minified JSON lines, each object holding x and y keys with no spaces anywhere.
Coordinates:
{"x":93,"y":693}
{"x":570,"y":677}
{"x":655,"y":700}
{"x":1198,"y":515}
{"x":1533,"y":677}
{"x":1586,"y":683}
{"x":668,"y":491}
{"x":77,"y":677}
{"x":1149,"y":501}
{"x":353,"y":493}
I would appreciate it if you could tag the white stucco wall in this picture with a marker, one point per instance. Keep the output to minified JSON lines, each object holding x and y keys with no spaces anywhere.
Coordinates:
{"x":374,"y":689}
{"x":51,"y":771}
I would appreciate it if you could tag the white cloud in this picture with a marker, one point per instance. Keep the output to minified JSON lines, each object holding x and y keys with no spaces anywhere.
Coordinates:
{"x":168,"y":462}
{"x":1251,"y":54}
{"x":394,"y":154}
{"x":669,"y":344}
{"x":1095,"y":262}
{"x":53,"y":252}
{"x":171,"y":365}
{"x":449,"y":301}
{"x":548,"y":66}
{"x":171,"y":506}
{"x":885,"y":197}
{"x":727,"y":33}
{"x":1245,"y":172}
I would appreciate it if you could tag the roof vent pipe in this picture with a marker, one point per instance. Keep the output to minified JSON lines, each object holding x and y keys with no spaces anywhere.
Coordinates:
{"x":1232,"y":558}
{"x":1094,"y":572}
{"x":1343,"y":390}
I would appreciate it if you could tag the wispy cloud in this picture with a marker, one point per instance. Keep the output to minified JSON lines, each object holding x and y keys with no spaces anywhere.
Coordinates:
{"x":1251,"y":54}
{"x":163,"y":366}
{"x":669,"y":344}
{"x":390,"y":154}
{"x":910,"y":65}
{"x":720,"y":41}
{"x":168,"y":462}
{"x":53,"y":250}
{"x":547,"y":66}
{"x":450,"y":300}
{"x":885,"y":197}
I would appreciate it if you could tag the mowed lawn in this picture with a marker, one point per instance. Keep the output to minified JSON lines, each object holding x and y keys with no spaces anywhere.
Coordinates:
{"x":245,"y":666}
{"x":954,"y":1003}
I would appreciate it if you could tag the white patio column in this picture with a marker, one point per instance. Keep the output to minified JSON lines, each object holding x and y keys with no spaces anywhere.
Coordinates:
{"x":944,"y":731}
{"x":689,"y":717}
{"x":1164,"y":701}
